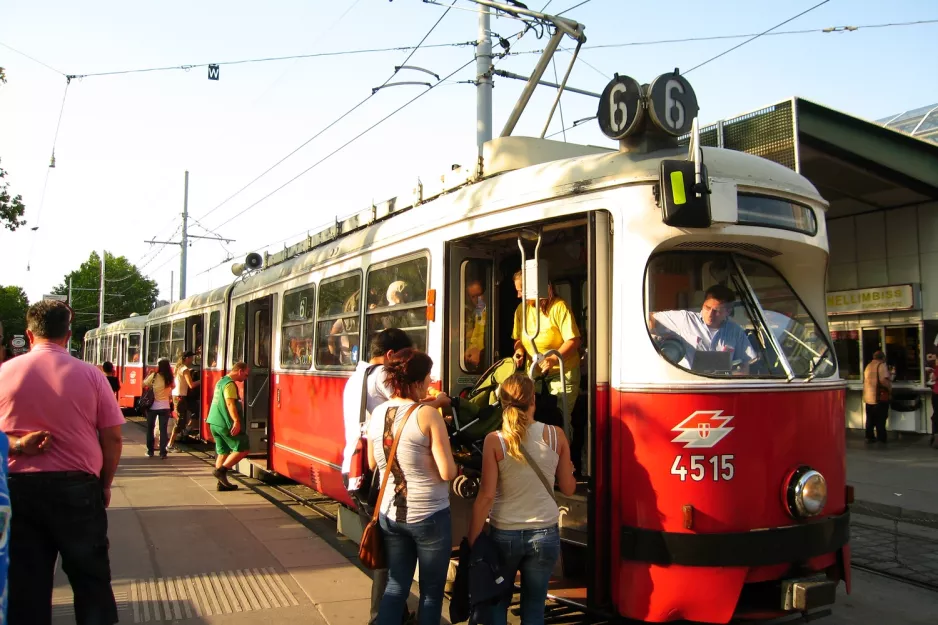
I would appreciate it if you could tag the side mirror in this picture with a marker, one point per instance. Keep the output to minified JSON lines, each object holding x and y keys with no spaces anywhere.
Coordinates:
{"x":684,"y":203}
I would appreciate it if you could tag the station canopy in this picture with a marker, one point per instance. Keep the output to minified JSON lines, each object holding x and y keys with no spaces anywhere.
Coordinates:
{"x":857,"y":165}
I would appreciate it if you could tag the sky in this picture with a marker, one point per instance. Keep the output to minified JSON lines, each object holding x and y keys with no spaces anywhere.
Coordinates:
{"x":124,"y":141}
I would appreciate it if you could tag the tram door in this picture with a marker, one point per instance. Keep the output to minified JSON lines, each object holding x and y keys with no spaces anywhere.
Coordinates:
{"x":469,"y":323}
{"x":122,"y":358}
{"x":194,"y":325}
{"x":257,"y":386}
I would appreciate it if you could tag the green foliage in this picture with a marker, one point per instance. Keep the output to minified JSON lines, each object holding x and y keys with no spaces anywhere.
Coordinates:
{"x":126,"y":291}
{"x":13,"y":306}
{"x":11,"y":207}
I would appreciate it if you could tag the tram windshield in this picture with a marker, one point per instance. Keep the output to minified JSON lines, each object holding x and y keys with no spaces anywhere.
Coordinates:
{"x":719,"y":314}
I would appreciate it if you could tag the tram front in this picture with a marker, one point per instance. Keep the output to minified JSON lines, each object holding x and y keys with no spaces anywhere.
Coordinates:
{"x":725,"y":444}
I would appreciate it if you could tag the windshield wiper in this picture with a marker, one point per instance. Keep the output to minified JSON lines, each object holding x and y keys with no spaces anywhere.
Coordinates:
{"x":822,"y":357}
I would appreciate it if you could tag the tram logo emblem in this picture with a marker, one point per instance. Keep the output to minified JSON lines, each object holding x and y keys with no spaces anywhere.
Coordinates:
{"x":703,"y":429}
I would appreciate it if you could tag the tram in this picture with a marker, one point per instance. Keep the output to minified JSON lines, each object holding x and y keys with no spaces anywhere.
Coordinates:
{"x":121,"y":344}
{"x":714,"y":475}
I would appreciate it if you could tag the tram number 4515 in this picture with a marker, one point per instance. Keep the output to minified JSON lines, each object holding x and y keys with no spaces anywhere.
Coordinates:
{"x":719,"y":468}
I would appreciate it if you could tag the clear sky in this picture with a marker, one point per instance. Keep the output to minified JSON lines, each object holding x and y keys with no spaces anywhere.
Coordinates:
{"x":126,"y":140}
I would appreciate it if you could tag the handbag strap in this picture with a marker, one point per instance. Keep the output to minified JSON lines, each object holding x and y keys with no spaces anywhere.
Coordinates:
{"x":537,"y":470}
{"x":390,"y":460}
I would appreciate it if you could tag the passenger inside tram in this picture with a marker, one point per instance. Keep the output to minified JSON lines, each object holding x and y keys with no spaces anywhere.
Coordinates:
{"x":475,"y":314}
{"x":712,"y":341}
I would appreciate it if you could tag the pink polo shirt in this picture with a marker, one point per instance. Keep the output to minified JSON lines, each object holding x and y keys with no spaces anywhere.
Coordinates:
{"x":49,"y":389}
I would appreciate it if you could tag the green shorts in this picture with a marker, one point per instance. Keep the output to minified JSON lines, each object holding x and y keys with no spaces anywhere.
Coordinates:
{"x":225,"y":443}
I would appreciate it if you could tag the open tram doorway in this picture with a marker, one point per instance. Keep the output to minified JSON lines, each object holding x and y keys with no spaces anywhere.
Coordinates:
{"x":195,"y":325}
{"x":482,"y":300}
{"x":252,"y":344}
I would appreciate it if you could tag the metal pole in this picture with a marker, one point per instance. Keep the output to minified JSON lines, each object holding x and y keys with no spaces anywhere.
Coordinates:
{"x":185,"y":242}
{"x":72,"y":306}
{"x":484,"y":84}
{"x":101,"y":292}
{"x":532,"y":83}
{"x":560,"y":89}
{"x":172,"y":279}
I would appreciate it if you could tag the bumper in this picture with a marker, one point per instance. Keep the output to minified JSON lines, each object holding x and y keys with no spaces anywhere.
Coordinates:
{"x":794,"y":543}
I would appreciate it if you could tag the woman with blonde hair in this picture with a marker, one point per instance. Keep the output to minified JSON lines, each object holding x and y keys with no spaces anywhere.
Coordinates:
{"x":519,"y":465}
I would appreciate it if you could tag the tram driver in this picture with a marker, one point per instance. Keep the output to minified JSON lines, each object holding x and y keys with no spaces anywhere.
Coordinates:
{"x":708,"y":331}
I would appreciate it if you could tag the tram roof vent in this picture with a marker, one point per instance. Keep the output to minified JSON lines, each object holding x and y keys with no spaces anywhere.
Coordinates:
{"x":750,"y":248}
{"x":510,"y":153}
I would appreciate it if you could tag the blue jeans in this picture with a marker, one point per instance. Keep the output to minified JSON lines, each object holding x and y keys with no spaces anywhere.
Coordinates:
{"x":163,"y":416}
{"x":534,"y":553}
{"x":430,"y":542}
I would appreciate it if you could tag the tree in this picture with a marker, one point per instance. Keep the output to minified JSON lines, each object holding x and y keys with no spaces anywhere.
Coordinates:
{"x":11,"y":208}
{"x":13,"y":307}
{"x":126,"y":291}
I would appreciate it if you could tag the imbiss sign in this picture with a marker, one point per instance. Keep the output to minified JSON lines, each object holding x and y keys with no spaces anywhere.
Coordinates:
{"x":877,"y":299}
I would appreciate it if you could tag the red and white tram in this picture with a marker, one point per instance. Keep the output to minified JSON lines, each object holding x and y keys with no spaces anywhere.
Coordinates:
{"x":714,"y":482}
{"x":121,"y":344}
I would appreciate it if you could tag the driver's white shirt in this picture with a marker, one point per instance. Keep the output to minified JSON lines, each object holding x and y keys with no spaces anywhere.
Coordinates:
{"x":697,"y":335}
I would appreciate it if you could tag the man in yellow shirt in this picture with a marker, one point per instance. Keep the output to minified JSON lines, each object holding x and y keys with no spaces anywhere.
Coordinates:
{"x":558,"y":331}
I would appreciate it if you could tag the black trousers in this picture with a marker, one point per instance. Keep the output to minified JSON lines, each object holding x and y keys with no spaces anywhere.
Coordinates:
{"x":59,"y":513}
{"x":876,"y":415}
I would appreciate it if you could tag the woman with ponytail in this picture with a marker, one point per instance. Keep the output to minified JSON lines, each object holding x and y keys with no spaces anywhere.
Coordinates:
{"x":518,"y":499}
{"x":414,"y":510}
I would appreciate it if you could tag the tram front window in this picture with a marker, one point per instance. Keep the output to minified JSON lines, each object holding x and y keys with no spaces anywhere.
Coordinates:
{"x":727,"y":315}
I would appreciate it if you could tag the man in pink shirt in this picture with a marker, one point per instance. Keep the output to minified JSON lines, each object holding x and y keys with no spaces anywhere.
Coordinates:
{"x":59,"y":495}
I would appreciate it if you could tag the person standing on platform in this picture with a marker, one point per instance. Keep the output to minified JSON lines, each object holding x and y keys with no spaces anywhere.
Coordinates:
{"x":376,"y":391}
{"x":162,"y":383}
{"x":877,"y":387}
{"x":111,"y":378}
{"x":60,"y":493}
{"x":226,"y":421}
{"x":184,"y":383}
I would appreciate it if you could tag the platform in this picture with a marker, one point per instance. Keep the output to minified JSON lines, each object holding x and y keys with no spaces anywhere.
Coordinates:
{"x":897,"y":479}
{"x":183,"y":552}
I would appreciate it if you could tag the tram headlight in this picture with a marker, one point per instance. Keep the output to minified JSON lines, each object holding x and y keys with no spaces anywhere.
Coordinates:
{"x":806,"y":493}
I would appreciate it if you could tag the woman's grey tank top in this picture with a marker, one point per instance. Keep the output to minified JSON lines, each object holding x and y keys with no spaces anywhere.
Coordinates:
{"x":422,"y":492}
{"x":521,"y":500}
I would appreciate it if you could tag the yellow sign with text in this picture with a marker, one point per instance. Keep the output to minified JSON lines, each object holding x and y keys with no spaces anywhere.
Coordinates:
{"x":878,"y":299}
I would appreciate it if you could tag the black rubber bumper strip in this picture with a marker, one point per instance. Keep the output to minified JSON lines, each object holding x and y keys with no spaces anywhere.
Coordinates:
{"x":794,"y":543}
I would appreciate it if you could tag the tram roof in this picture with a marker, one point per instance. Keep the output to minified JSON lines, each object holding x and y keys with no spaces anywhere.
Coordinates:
{"x":515,"y":170}
{"x":137,"y":322}
{"x":191,"y":303}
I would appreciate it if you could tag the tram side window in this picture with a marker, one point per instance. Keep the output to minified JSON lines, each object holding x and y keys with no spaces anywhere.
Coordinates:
{"x":214,"y":324}
{"x":115,"y":347}
{"x":476,"y":331}
{"x":165,"y":340}
{"x":296,"y":337}
{"x":239,"y":337}
{"x":153,"y":344}
{"x":178,"y":343}
{"x":337,"y":322}
{"x":102,"y":350}
{"x":704,"y":317}
{"x":397,"y":298}
{"x":133,"y":348}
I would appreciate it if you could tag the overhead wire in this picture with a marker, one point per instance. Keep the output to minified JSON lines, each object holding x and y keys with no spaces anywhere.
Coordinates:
{"x":312,"y":55}
{"x":33,"y":59}
{"x":751,"y":39}
{"x":344,"y":145}
{"x":45,"y":184}
{"x":806,"y":31}
{"x":332,"y":124}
